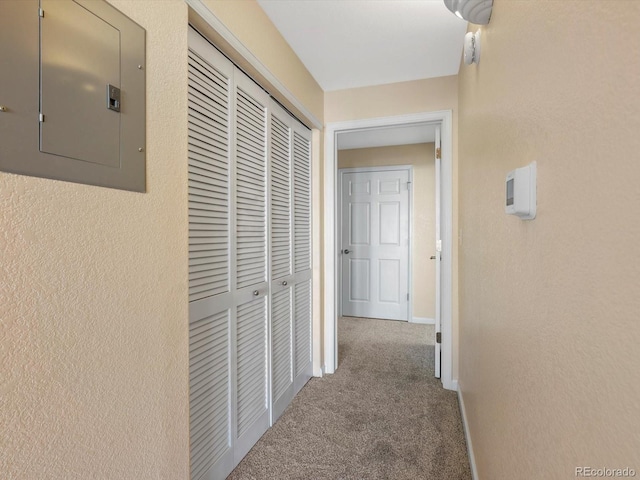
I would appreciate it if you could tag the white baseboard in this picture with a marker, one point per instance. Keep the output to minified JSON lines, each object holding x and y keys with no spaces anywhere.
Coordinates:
{"x":318,"y":372}
{"x":467,"y":436}
{"x":424,"y":320}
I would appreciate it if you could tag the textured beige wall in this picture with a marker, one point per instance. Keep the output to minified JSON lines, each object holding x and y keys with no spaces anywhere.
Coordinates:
{"x":423,"y":233}
{"x":93,"y":310}
{"x":400,"y":99}
{"x":392,"y":99}
{"x":549,"y":325}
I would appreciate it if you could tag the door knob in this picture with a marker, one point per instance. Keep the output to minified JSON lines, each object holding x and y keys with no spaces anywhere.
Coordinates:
{"x":346,"y":251}
{"x":284,"y":283}
{"x":256,"y":292}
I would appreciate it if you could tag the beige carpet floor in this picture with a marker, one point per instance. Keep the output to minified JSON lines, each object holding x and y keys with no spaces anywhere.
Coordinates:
{"x":382,"y":415}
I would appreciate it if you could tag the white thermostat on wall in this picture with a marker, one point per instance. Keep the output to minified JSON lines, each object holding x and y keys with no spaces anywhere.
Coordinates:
{"x":521,"y":192}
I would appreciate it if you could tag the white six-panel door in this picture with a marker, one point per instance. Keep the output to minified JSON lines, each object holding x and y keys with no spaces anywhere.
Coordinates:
{"x":249,"y":261}
{"x":375,"y":244}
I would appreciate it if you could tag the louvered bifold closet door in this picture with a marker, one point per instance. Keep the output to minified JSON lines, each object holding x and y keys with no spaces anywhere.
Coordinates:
{"x":249,"y":260}
{"x":252,"y":288}
{"x":302,"y":361}
{"x":281,"y":195}
{"x":211,"y":315}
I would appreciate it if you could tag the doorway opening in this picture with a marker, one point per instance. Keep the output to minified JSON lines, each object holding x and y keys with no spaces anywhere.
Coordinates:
{"x":335,"y":133}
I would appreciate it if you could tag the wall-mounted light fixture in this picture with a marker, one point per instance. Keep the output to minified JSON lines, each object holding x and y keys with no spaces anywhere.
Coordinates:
{"x":474,"y":11}
{"x":472,"y":48}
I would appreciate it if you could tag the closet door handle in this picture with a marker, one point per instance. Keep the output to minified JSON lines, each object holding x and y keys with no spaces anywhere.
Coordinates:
{"x":347,"y":251}
{"x":256,"y":292}
{"x":284,"y":283}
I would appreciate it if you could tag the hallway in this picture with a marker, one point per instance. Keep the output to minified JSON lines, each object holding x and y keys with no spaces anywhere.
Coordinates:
{"x":382,"y":415}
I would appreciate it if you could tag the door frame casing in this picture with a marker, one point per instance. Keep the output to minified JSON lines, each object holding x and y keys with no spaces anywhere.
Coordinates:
{"x":331,"y":258}
{"x":390,"y":168}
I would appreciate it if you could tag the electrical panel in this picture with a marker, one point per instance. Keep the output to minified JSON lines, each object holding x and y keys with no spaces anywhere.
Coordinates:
{"x":72,"y":93}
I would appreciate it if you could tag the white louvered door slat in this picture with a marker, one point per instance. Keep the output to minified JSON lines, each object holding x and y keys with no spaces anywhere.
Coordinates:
{"x":210,"y":315}
{"x":280,"y":164}
{"x":209,"y":403}
{"x":251,"y":188}
{"x":208,"y":181}
{"x":302,"y":302}
{"x":302,"y":257}
{"x":302,"y":194}
{"x":281,"y":340}
{"x":281,"y":195}
{"x":282,"y":351}
{"x":252,"y":352}
{"x":251,"y":230}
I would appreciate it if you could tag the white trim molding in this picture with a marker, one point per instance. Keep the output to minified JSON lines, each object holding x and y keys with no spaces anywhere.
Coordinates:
{"x":444,"y":118}
{"x":467,"y":436}
{"x":423,"y":320}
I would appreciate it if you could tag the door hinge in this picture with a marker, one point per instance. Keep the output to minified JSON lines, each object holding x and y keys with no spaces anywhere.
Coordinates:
{"x":41,"y":12}
{"x":438,"y":152}
{"x":41,"y":117}
{"x":438,"y":337}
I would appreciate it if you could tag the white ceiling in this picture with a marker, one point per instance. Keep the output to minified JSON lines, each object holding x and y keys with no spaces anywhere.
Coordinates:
{"x":387,"y":136}
{"x":356,"y":43}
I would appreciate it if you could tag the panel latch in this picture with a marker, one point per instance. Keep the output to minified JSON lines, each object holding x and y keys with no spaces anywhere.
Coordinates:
{"x":113,"y":98}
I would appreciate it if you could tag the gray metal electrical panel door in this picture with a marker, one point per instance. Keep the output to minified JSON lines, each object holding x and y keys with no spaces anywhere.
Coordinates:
{"x":72,"y":93}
